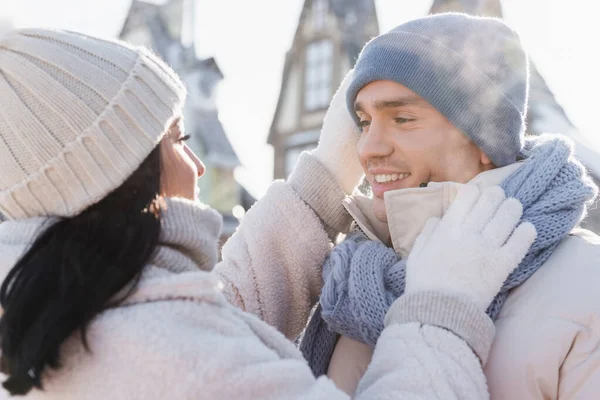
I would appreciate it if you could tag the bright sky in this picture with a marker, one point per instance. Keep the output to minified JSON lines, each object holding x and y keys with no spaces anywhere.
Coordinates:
{"x":249,"y":40}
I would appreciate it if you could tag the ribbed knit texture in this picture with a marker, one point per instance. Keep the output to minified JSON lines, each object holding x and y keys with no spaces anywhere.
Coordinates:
{"x":454,"y":313}
{"x":189,"y":231}
{"x":363,"y":278}
{"x":473,"y":70}
{"x":77,"y":116}
{"x":320,"y":190}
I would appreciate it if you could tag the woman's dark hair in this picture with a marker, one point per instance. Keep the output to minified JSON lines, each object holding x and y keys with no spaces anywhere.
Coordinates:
{"x":75,"y":269}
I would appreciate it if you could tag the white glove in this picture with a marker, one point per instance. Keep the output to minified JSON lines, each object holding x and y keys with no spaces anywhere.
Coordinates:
{"x":473,"y":248}
{"x":337,"y":149}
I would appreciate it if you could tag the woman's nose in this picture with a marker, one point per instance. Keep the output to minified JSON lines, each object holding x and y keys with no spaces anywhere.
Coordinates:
{"x":199,"y":164}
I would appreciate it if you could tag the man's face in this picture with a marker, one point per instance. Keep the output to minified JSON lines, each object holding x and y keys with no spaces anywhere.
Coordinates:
{"x":405,"y":142}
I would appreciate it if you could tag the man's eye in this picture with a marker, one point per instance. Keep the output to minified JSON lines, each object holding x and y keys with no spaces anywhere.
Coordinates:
{"x":363,"y":124}
{"x":402,"y":120}
{"x":184,"y":138}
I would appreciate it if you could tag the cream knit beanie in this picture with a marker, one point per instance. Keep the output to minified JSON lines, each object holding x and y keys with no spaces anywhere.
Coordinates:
{"x":78,"y":115}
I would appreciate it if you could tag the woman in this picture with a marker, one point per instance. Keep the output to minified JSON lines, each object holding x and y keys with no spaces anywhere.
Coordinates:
{"x":107,"y":255}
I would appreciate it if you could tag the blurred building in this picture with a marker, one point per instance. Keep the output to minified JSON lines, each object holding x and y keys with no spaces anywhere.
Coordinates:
{"x":330,"y":35}
{"x":328,"y":39}
{"x":168,"y":29}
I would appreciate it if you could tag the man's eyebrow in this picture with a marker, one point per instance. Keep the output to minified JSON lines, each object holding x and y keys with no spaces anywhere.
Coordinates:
{"x":394,"y":103}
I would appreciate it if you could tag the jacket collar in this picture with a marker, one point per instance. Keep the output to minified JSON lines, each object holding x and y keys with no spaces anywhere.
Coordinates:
{"x":189,"y":237}
{"x":409,"y":209}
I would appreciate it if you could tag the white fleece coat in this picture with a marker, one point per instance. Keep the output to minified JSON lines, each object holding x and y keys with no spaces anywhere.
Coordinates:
{"x":177,"y":336}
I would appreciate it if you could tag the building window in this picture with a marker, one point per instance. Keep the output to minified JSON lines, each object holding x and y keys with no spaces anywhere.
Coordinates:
{"x":319,"y":13}
{"x":319,"y":58}
{"x":292,"y":155}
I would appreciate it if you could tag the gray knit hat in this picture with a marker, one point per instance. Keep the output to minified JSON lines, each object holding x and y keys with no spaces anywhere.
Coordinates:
{"x":78,"y":115}
{"x":473,"y":70}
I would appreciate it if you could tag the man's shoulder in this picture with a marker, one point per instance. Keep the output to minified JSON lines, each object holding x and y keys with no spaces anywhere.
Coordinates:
{"x":566,"y":285}
{"x":575,"y":263}
{"x":577,"y":254}
{"x":575,"y":259}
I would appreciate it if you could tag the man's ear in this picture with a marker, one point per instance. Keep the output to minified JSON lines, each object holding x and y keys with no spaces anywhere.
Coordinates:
{"x":485,"y":160}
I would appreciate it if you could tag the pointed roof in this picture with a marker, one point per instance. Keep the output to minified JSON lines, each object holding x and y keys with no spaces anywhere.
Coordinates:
{"x":211,"y":134}
{"x":488,"y":8}
{"x":365,"y":9}
{"x":190,"y":61}
{"x":138,"y":12}
{"x":146,"y":14}
{"x":353,"y":17}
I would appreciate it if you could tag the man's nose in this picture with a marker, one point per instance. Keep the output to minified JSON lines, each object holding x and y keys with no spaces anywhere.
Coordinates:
{"x":374,"y":143}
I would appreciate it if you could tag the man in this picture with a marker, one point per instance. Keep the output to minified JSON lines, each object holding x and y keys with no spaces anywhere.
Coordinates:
{"x":441,"y":101}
